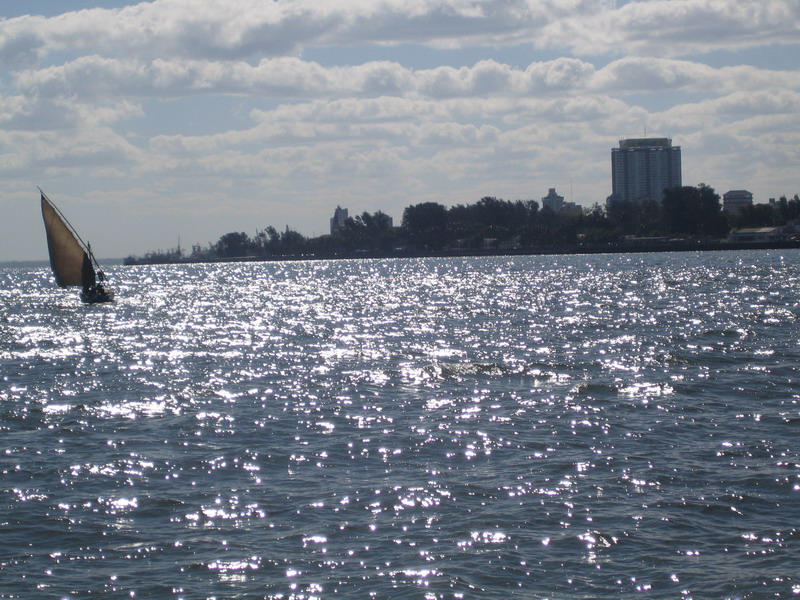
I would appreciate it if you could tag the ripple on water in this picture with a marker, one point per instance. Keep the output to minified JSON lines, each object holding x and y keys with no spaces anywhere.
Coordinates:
{"x":575,"y":426}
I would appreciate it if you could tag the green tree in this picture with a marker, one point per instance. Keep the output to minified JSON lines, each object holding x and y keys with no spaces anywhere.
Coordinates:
{"x":595,"y":227}
{"x":694,"y":211}
{"x":367,"y":232}
{"x":424,"y":225}
{"x":756,"y":215}
{"x":543,"y":230}
{"x":233,"y":245}
{"x":634,"y":217}
{"x":292,"y":242}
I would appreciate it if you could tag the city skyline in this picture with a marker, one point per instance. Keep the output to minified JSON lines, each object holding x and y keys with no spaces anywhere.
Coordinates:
{"x":150,"y":121}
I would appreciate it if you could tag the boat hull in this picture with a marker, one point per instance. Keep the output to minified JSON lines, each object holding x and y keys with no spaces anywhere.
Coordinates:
{"x":97,"y":298}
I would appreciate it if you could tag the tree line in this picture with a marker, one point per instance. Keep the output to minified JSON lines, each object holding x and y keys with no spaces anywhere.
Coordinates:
{"x":494,"y":224}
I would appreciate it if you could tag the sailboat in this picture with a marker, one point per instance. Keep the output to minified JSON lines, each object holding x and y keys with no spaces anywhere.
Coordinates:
{"x":71,"y":259}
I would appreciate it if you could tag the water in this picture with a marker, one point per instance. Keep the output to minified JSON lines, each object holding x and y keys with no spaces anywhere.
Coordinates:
{"x":522,"y":427}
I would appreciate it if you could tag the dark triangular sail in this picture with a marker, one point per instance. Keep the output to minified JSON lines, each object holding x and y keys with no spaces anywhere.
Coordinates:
{"x":88,"y":278}
{"x":70,"y":263}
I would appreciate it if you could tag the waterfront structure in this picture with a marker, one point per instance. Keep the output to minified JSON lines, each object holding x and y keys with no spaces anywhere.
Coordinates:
{"x":642,"y":168}
{"x":758,"y":234}
{"x":338,"y":219}
{"x":735,"y":201}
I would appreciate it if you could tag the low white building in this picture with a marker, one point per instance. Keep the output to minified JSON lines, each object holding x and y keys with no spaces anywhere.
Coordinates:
{"x":758,"y":234}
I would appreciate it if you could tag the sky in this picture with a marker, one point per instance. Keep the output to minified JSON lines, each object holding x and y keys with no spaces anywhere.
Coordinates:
{"x":176,"y":121}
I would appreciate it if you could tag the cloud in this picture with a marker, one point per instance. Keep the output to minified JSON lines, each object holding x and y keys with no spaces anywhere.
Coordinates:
{"x":738,"y":111}
{"x":83,"y":152}
{"x":63,"y":113}
{"x":339,"y":110}
{"x":243,"y":29}
{"x":639,"y":74}
{"x":21,"y":45}
{"x":432,"y":147}
{"x":679,"y":27}
{"x":99,"y":79}
{"x":237,"y":29}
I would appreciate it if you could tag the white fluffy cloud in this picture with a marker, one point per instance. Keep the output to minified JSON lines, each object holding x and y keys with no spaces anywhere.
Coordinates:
{"x":96,"y":79}
{"x":238,"y":29}
{"x":679,"y":27}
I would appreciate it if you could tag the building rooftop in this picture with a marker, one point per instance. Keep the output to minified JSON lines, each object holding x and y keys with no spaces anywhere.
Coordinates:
{"x":645,"y":143}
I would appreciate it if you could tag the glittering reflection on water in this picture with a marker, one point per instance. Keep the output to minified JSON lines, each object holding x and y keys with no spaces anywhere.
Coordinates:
{"x":510,"y":427}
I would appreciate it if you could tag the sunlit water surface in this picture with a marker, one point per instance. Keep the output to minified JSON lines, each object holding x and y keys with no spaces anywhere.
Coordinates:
{"x":524,"y":427}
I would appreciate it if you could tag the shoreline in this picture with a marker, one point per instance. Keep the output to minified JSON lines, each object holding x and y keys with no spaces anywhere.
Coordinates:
{"x":618,"y":248}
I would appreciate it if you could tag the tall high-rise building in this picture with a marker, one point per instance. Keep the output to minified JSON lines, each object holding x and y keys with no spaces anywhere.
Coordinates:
{"x":642,"y":168}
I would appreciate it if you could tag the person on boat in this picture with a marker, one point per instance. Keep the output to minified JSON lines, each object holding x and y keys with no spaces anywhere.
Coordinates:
{"x":95,"y":292}
{"x":97,"y":289}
